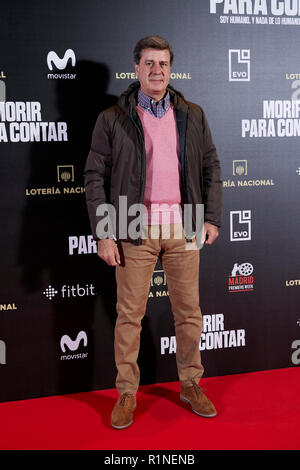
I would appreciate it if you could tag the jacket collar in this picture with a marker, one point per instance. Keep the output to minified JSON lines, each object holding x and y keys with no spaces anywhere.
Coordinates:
{"x":128,"y":99}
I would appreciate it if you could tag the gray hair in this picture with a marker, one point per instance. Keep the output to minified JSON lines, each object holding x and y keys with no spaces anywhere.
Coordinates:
{"x":151,"y":42}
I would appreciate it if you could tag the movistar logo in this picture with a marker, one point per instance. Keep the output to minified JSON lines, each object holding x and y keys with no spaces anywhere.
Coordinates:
{"x":52,"y":58}
{"x":73,"y":345}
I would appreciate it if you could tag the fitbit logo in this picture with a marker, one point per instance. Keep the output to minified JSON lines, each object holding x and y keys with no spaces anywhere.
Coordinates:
{"x":240,"y":225}
{"x":73,"y":345}
{"x":2,"y":352}
{"x":68,"y":291}
{"x":50,"y":292}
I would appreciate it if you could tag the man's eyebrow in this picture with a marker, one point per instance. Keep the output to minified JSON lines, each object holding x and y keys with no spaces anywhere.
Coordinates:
{"x":161,"y":61}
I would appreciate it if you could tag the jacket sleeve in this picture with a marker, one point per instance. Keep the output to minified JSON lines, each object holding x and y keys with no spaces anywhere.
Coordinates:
{"x":212,"y":184}
{"x":97,"y":172}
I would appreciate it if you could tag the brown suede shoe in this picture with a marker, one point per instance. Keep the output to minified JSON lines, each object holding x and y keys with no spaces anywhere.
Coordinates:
{"x":199,"y":402}
{"x":122,"y":414}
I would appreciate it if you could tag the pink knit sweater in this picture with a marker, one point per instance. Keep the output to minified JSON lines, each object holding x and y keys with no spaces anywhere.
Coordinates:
{"x":162,"y":190}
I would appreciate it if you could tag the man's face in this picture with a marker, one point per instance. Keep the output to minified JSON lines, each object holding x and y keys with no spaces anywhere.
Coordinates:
{"x":153,"y":72}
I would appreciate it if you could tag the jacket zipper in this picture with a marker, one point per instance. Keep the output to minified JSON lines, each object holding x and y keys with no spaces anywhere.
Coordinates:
{"x":182,"y":139}
{"x":138,"y":125}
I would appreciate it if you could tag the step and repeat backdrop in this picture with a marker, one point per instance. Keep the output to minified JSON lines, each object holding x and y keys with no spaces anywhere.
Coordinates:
{"x":61,"y":64}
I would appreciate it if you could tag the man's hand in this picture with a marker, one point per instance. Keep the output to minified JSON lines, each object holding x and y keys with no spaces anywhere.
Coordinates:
{"x":108,"y":251}
{"x":211,"y":232}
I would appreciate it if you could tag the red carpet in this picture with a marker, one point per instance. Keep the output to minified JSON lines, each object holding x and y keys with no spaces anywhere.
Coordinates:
{"x":258,"y":410}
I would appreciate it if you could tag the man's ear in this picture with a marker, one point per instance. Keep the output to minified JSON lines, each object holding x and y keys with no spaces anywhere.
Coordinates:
{"x":136,"y":67}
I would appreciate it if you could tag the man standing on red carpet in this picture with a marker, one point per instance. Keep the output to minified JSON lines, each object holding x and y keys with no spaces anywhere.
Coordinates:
{"x":154,"y":150}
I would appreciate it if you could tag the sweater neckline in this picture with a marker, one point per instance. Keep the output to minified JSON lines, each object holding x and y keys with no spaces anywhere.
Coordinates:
{"x":144,"y":111}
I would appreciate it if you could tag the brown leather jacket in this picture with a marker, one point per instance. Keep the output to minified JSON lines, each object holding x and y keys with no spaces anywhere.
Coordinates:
{"x":116,"y":162}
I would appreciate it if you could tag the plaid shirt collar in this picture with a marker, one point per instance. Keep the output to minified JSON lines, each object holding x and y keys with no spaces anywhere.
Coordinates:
{"x":156,"y":109}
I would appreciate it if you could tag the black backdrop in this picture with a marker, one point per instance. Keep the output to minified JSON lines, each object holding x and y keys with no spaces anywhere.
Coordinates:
{"x":68,"y":60}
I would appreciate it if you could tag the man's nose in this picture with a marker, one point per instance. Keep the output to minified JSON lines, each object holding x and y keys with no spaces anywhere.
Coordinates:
{"x":157,"y":68}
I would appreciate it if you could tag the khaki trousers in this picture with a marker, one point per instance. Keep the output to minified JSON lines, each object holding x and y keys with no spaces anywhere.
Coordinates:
{"x":180,"y":261}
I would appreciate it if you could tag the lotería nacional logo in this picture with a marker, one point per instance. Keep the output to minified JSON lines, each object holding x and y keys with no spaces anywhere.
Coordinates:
{"x":239,"y":167}
{"x":239,"y":65}
{"x":292,"y":282}
{"x":2,"y":352}
{"x":158,"y":285}
{"x":241,"y":278}
{"x":239,"y":171}
{"x":64,"y":176}
{"x":61,"y":63}
{"x":173,"y":76}
{"x":10,"y":306}
{"x":240,"y":225}
{"x":65,"y":173}
{"x":289,"y":76}
{"x":66,"y":341}
{"x":69,"y":291}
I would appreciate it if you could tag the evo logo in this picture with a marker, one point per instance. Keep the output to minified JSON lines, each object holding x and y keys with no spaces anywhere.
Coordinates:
{"x":66,"y":341}
{"x":239,"y":65}
{"x":240,"y":225}
{"x":2,"y":352}
{"x":52,"y":58}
